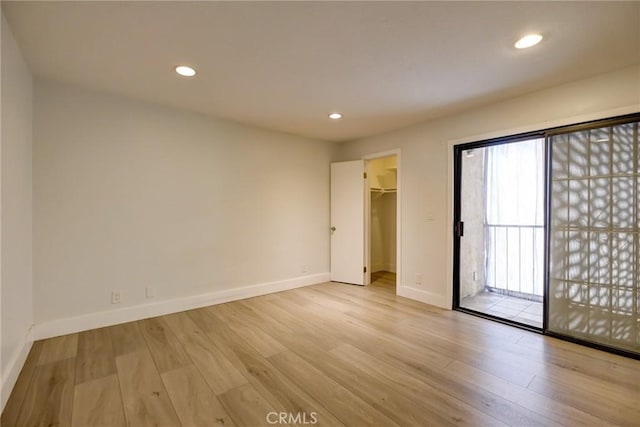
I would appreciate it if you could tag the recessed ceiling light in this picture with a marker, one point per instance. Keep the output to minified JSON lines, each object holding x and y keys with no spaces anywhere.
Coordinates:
{"x":185,"y":71}
{"x":528,"y":41}
{"x":335,"y":116}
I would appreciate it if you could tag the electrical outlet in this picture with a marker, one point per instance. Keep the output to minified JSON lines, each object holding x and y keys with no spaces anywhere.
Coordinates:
{"x":151,"y":292}
{"x":418,"y":279}
{"x":116,"y":297}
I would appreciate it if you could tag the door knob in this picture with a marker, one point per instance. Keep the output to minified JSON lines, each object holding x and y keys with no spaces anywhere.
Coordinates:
{"x":333,"y":229}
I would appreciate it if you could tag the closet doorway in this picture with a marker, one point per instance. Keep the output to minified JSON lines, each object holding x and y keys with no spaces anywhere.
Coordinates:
{"x":382,"y":219}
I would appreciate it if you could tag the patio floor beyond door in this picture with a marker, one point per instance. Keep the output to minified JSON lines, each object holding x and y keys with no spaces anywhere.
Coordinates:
{"x":508,"y":307}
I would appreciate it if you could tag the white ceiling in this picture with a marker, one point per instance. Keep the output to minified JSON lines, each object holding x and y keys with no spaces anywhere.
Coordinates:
{"x":286,"y":65}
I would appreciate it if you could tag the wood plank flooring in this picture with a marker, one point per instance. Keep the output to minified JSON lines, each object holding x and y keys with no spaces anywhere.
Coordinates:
{"x":330,"y":354}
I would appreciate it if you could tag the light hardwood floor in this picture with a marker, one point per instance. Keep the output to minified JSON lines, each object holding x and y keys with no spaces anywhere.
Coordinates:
{"x":332,"y":353}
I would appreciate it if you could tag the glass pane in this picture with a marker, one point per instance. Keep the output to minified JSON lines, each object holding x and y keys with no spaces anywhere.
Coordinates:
{"x":594,"y":258}
{"x":501,"y":251}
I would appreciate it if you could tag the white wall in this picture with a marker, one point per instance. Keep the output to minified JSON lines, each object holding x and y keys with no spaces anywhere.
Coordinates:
{"x":383,"y":232}
{"x":129,"y":195}
{"x":16,"y":283}
{"x":426,"y":159}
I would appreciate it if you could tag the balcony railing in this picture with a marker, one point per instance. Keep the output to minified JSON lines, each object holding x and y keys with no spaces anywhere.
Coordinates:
{"x":515,"y":259}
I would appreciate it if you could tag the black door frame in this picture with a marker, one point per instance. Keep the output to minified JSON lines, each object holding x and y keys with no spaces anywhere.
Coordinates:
{"x":457,"y":217}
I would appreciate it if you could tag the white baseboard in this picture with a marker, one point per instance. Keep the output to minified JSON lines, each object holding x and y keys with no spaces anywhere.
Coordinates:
{"x":383,"y":267}
{"x":424,"y":296}
{"x":69,"y":325}
{"x":14,"y":366}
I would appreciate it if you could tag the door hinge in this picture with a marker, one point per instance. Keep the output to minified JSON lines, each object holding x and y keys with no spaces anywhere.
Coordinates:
{"x":365,"y":175}
{"x":459,"y":229}
{"x":365,"y":269}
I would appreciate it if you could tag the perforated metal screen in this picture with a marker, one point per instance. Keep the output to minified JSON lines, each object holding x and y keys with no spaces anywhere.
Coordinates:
{"x":594,"y":236}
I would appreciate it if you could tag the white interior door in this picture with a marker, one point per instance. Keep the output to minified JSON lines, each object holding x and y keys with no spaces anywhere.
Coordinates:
{"x":347,"y":222}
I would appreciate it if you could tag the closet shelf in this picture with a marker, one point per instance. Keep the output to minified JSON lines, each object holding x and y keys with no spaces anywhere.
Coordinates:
{"x":383,"y":190}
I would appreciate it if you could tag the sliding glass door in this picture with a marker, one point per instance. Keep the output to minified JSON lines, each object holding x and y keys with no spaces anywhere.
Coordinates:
{"x":500,"y":230}
{"x":547,"y":231}
{"x":594,"y":249}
